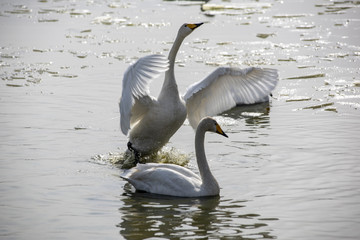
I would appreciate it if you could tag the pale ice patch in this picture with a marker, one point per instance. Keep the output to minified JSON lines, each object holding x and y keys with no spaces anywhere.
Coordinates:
{"x":251,"y":114}
{"x":226,"y":121}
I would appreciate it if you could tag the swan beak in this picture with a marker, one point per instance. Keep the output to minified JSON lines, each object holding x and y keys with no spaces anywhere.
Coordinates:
{"x":195,"y":25}
{"x":220,"y":131}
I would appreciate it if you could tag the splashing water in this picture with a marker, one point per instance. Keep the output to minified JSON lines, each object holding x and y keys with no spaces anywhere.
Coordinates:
{"x":126,"y":159}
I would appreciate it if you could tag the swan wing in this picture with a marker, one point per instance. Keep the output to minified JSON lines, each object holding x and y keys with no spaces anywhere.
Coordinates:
{"x":227,"y":87}
{"x":162,"y":179}
{"x":135,"y":99}
{"x":182,"y":170}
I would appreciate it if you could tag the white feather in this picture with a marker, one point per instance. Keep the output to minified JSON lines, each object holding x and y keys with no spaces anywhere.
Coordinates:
{"x":151,"y":177}
{"x":168,"y":179}
{"x":227,"y":87}
{"x":135,"y":98}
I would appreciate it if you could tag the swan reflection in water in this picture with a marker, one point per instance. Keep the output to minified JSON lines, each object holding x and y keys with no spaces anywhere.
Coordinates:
{"x":146,"y":215}
{"x":254,"y":114}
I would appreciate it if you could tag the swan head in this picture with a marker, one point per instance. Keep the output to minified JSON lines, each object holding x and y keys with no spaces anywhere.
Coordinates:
{"x":188,"y":28}
{"x":210,"y":124}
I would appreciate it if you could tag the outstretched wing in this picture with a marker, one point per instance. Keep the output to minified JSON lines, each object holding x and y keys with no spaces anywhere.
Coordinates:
{"x":227,"y":87}
{"x":135,"y":99}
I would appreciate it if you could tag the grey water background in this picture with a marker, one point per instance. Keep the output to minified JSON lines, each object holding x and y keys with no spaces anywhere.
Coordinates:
{"x":289,"y":169}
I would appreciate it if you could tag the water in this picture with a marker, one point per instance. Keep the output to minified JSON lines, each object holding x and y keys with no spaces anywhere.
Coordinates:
{"x":289,"y":169}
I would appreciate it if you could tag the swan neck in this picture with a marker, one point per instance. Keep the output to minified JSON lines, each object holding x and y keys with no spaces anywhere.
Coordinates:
{"x":205,"y":173}
{"x":174,"y":50}
{"x":170,"y":82}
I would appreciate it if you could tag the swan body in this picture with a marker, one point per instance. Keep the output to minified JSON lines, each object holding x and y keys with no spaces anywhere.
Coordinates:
{"x":150,"y":122}
{"x":174,"y":180}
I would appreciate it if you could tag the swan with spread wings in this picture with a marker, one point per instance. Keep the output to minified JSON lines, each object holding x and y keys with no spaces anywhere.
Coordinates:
{"x":150,"y":122}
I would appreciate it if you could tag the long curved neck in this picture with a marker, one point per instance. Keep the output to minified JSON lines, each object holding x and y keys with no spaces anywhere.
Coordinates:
{"x":169,"y":82}
{"x":205,"y":173}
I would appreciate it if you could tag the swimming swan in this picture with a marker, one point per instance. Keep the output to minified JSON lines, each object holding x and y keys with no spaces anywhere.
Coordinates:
{"x":153,"y":121}
{"x":174,"y":180}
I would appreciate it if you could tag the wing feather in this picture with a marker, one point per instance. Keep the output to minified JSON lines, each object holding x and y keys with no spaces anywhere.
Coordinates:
{"x":227,"y":87}
{"x":135,"y":98}
{"x":168,"y":179}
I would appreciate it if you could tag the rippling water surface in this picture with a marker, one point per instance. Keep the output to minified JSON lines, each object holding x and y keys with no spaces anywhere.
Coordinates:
{"x":289,"y":169}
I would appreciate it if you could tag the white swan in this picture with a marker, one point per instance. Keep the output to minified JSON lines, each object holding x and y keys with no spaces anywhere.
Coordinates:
{"x":174,"y":180}
{"x":153,"y":121}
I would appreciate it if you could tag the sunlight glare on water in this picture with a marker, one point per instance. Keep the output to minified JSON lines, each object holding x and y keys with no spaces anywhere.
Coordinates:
{"x":289,"y":169}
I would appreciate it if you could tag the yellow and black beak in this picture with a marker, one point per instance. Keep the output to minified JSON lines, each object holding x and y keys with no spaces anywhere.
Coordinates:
{"x":220,"y":131}
{"x":192,"y":26}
